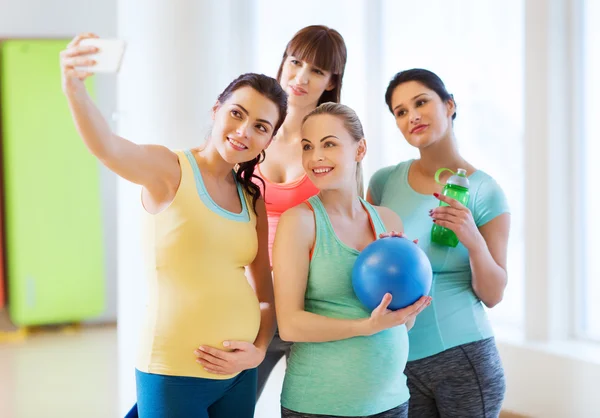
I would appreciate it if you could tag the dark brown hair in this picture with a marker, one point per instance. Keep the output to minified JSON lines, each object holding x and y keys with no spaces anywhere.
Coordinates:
{"x":269,"y":88}
{"x":426,"y":78}
{"x":324,"y":48}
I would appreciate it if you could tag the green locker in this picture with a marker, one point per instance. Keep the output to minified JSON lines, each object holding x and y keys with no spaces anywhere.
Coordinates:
{"x":53,"y":220}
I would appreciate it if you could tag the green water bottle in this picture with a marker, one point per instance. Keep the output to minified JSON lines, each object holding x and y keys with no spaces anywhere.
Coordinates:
{"x":457,"y":187}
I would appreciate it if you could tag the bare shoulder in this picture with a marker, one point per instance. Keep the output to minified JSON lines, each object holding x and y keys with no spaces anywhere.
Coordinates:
{"x":160,"y":153}
{"x":165,"y":163}
{"x":390,"y":219}
{"x":299,"y":222}
{"x":301,"y":215}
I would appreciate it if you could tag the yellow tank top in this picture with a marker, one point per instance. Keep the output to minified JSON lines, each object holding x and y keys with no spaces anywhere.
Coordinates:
{"x":195,"y":253}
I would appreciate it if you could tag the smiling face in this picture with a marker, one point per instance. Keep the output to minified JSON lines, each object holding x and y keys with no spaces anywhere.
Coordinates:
{"x":304,"y":82}
{"x":421,"y":115}
{"x":243,"y":125}
{"x":330,"y":153}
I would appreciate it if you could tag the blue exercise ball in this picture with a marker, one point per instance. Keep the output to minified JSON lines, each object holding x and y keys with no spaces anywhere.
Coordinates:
{"x":391,"y":265}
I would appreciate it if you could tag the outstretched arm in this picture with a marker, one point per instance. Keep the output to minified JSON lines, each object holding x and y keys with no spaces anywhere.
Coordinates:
{"x":153,"y":166}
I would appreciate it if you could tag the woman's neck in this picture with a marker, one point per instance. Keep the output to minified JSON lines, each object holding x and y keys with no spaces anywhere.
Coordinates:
{"x":213,"y":163}
{"x":443,"y":153}
{"x":290,"y":130}
{"x":342,"y":201}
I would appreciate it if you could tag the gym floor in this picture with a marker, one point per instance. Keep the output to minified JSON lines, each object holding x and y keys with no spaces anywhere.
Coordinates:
{"x":60,"y":373}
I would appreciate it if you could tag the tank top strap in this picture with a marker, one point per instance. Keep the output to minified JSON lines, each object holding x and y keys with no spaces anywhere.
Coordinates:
{"x":322,"y":223}
{"x":187,"y":184}
{"x":376,"y":221}
{"x":322,"y":233}
{"x":319,"y":210}
{"x":247,"y":202}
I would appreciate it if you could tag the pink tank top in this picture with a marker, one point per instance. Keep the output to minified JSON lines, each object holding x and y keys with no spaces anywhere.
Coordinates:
{"x":280,"y":197}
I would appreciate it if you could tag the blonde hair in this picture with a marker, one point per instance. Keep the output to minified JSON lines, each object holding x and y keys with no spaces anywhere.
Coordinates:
{"x":352,"y":125}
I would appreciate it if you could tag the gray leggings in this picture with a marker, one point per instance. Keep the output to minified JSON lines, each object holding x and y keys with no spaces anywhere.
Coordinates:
{"x":400,"y":411}
{"x":463,"y":382}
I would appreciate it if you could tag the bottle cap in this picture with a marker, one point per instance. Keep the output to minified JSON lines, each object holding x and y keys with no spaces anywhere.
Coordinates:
{"x":459,"y":178}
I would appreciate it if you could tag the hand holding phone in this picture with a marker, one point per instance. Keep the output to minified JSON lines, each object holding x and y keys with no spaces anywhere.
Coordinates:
{"x":86,"y":55}
{"x":108,"y":58}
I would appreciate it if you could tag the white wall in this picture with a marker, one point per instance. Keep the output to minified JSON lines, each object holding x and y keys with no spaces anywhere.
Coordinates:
{"x":62,"y":19}
{"x":550,"y":380}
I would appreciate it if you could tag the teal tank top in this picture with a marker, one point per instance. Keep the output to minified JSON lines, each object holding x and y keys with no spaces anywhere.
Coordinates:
{"x":353,"y":377}
{"x":456,"y":316}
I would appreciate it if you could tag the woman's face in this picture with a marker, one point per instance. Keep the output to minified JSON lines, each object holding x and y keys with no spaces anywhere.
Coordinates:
{"x":303,"y":82}
{"x":421,"y":115}
{"x":329,"y":153}
{"x":243,"y":125}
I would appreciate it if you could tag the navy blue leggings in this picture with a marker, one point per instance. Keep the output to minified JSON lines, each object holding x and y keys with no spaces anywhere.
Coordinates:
{"x":160,"y":396}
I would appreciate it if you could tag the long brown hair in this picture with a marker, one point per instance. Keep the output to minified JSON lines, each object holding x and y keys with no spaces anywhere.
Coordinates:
{"x":324,"y":48}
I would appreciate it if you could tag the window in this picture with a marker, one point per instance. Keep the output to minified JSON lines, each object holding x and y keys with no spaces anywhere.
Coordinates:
{"x":591,"y":221}
{"x":476,"y":47}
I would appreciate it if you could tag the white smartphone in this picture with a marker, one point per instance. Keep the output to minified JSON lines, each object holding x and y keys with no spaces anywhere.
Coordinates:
{"x":109,"y":56}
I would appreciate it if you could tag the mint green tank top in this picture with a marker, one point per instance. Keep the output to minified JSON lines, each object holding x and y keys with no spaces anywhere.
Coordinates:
{"x":353,"y":377}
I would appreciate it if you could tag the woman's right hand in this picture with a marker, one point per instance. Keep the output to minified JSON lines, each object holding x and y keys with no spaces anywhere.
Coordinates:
{"x":73,"y":56}
{"x":382,"y":318}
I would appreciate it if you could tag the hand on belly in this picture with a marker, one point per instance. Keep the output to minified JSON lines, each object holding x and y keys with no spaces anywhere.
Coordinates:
{"x":243,"y":356}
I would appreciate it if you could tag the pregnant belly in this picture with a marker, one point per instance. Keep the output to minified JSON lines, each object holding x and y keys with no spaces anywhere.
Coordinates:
{"x":175,"y":327}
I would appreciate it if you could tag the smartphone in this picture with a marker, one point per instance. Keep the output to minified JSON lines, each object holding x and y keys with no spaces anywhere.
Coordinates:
{"x":109,"y":56}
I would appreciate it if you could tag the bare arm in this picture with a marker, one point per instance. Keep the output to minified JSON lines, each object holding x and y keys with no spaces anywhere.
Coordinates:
{"x":291,"y":258}
{"x":259,"y":275}
{"x":487,"y":247}
{"x":488,"y":261}
{"x":293,"y":242}
{"x":153,"y":166}
{"x":391,"y":220}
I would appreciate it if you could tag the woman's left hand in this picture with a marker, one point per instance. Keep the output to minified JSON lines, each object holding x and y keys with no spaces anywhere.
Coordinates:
{"x":395,"y":234}
{"x":244,"y":356}
{"x":457,"y":218}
